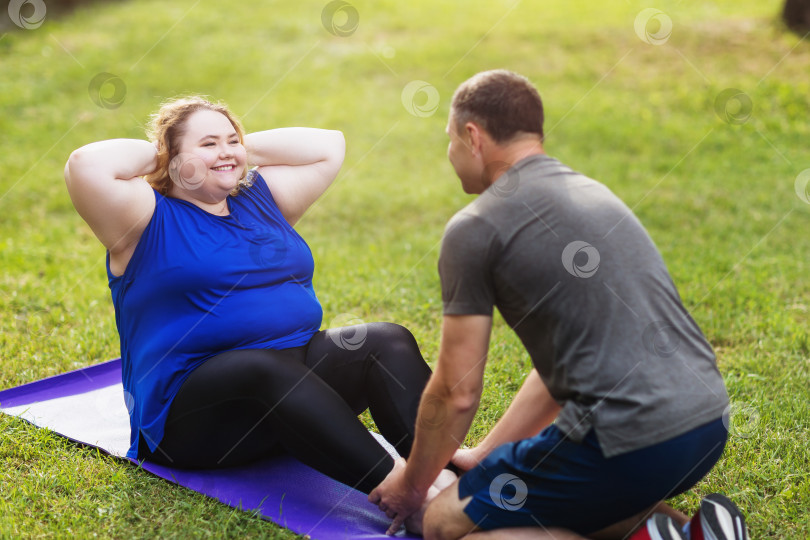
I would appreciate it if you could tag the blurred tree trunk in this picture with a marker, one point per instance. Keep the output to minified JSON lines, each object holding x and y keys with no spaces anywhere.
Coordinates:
{"x":796,"y":15}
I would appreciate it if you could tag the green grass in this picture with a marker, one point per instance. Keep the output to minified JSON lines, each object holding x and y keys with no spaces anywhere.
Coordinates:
{"x":717,"y":198}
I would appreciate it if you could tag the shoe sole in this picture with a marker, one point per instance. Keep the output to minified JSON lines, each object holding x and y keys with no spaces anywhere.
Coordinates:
{"x":661,"y":527}
{"x":720,"y":519}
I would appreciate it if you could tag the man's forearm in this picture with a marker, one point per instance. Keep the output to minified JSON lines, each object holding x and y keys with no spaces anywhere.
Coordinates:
{"x":451,"y":397}
{"x":441,"y":427}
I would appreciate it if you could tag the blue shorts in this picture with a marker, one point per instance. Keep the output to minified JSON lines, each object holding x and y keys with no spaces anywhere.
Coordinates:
{"x":551,"y":481}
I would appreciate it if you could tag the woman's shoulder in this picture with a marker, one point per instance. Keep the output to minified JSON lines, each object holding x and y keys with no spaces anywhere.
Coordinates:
{"x":255,"y":181}
{"x":256,"y":188}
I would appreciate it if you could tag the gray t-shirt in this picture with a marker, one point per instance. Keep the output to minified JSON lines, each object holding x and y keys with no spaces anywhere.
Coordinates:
{"x":577,"y":277}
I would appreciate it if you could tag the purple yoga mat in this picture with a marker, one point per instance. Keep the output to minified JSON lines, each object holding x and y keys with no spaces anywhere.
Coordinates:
{"x":87,"y":406}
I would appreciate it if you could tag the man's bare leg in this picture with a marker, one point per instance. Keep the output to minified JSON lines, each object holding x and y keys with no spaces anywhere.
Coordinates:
{"x":528,"y":533}
{"x":445,"y":519}
{"x":616,"y":531}
{"x":445,"y":479}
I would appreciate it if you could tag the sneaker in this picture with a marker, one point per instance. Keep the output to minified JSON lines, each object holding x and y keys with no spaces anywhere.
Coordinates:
{"x":718,"y":519}
{"x":659,"y":527}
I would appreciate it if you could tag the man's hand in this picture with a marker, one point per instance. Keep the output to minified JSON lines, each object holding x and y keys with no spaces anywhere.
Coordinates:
{"x":397,"y":497}
{"x":466,"y":458}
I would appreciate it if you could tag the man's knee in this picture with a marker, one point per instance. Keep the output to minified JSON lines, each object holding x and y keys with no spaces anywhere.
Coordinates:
{"x":445,"y":518}
{"x":434,"y":524}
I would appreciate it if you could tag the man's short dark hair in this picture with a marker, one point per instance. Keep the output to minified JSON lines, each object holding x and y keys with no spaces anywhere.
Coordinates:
{"x":500,"y":101}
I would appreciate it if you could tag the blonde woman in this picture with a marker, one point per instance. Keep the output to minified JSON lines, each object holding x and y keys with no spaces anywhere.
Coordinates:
{"x":223,"y":358}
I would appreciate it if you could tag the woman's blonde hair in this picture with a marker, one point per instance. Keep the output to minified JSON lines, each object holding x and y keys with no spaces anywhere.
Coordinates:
{"x":168,"y":125}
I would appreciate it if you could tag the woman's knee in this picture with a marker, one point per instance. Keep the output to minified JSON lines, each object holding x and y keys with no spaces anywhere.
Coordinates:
{"x":374,"y":336}
{"x":393,"y":340}
{"x":391,"y":331}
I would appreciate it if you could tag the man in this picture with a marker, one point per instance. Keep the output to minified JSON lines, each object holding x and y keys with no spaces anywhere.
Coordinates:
{"x":620,"y":367}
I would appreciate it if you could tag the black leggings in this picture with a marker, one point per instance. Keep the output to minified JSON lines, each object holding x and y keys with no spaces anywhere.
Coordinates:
{"x":243,"y":405}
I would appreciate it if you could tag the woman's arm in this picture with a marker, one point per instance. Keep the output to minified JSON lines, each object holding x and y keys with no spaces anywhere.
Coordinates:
{"x":104,"y":182}
{"x":297,"y":163}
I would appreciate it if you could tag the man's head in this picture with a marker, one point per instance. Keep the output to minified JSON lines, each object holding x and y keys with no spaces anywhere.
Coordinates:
{"x":504,"y":103}
{"x":495,"y":117}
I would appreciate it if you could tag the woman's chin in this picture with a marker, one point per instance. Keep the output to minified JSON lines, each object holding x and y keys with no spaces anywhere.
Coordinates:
{"x":226,"y":184}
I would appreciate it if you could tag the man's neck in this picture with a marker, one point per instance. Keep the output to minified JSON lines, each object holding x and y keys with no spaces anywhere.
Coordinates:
{"x":513,"y":151}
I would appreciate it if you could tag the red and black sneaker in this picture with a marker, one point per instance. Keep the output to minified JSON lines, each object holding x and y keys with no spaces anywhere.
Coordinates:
{"x":717,"y":519}
{"x":659,"y":527}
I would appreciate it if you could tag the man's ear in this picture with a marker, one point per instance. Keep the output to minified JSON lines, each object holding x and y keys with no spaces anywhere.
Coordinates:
{"x":475,"y":134}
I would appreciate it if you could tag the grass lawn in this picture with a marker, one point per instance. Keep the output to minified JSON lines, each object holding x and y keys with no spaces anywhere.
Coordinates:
{"x":712,"y":177}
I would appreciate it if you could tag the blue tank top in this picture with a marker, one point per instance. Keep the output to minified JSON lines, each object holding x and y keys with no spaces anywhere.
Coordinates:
{"x":199,"y":285}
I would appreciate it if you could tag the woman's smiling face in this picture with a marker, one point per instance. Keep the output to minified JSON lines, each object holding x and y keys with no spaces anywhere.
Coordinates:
{"x":211,"y":159}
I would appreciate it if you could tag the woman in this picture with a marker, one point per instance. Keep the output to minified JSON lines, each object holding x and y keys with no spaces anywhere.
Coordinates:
{"x":222,"y":358}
